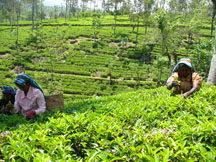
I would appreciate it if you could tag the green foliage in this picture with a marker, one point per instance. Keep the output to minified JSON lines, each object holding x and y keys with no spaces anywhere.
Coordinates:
{"x":146,"y":125}
{"x":71,"y":52}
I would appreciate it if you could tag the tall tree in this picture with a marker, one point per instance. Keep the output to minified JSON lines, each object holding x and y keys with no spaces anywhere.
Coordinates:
{"x":213,"y":16}
{"x":18,"y":12}
{"x":66,"y":9}
{"x":41,"y":10}
{"x":167,"y":26}
{"x":139,"y":9}
{"x":84,"y":4}
{"x":148,"y":6}
{"x":212,"y":71}
{"x":33,"y":3}
{"x":116,"y":2}
{"x":73,"y":5}
{"x":10,"y":5}
{"x":34,"y":8}
{"x":56,"y":13}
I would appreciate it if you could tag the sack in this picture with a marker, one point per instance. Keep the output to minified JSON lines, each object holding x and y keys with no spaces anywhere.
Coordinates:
{"x":54,"y":102}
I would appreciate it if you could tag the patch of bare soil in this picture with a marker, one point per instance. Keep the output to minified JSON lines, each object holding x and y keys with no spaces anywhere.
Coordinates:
{"x":113,"y":44}
{"x":19,"y":69}
{"x":39,"y":59}
{"x":97,"y":74}
{"x":4,"y":55}
{"x":128,"y":45}
{"x":80,"y":39}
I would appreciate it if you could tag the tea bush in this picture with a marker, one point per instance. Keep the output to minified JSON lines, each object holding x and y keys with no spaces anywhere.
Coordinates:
{"x":145,"y":125}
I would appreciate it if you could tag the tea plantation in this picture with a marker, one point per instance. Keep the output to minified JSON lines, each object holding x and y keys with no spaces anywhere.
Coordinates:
{"x":116,"y":106}
{"x":146,"y":125}
{"x":64,"y":58}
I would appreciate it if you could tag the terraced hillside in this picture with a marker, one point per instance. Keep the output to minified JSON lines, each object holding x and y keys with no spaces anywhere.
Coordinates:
{"x":66,"y":58}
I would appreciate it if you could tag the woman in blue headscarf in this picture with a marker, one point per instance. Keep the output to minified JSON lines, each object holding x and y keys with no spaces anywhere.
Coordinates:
{"x":29,"y":98}
{"x":184,"y":79}
{"x":8,"y":99}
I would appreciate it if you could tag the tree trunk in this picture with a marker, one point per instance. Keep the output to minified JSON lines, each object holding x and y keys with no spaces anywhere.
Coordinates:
{"x":17,"y":41}
{"x":137,"y":32}
{"x":213,"y":16}
{"x":33,"y":5}
{"x":212,"y":26}
{"x":14,"y":11}
{"x":212,"y":71}
{"x":159,"y":79}
{"x":66,"y":11}
{"x":115,"y":17}
{"x":41,"y":11}
{"x":146,"y":28}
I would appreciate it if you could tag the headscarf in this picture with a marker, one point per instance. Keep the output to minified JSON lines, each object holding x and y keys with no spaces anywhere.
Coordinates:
{"x":185,"y":61}
{"x":8,"y":90}
{"x":23,"y":79}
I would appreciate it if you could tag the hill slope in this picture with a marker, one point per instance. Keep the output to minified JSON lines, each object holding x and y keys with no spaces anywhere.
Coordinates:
{"x":146,"y":125}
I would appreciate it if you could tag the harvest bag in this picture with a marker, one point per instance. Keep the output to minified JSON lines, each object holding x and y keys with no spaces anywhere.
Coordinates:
{"x":54,"y":102}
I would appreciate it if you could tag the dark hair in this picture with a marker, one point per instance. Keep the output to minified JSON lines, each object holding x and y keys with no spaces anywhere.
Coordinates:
{"x":183,"y":66}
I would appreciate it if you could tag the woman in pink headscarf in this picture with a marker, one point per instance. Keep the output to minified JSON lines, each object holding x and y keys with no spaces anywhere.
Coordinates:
{"x":184,"y":79}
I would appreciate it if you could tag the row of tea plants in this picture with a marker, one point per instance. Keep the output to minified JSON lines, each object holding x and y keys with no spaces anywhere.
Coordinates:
{"x":146,"y":125}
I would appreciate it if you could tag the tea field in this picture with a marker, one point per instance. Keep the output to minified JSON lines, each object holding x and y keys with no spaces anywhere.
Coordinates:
{"x":66,"y":58}
{"x":144,"y":125}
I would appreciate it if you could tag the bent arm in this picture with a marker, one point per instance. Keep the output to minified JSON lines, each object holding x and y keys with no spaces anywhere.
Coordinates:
{"x":171,"y":81}
{"x":169,"y":85}
{"x":16,"y":104}
{"x":192,"y":90}
{"x":41,"y":103}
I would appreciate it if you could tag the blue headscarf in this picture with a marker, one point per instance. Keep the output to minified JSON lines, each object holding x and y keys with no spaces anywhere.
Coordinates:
{"x":22,"y":79}
{"x":186,"y":62}
{"x":8,"y":90}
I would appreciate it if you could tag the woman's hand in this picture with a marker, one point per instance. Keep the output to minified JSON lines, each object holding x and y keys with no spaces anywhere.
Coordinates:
{"x":30,"y":115}
{"x":186,"y":94}
{"x":175,"y":83}
{"x":9,"y":107}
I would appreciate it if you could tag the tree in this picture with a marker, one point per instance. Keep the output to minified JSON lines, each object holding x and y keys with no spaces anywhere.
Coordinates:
{"x":139,"y":9}
{"x":5,"y":15}
{"x":166,"y":25}
{"x":213,"y":16}
{"x":73,"y":5}
{"x":96,"y":24}
{"x":33,"y":13}
{"x":178,"y":6}
{"x":10,"y":6}
{"x":84,"y":2}
{"x":42,"y":14}
{"x":116,"y":2}
{"x":148,"y":5}
{"x":66,"y":9}
{"x":56,"y":12}
{"x":212,"y":71}
{"x":18,"y":11}
{"x":160,"y":63}
{"x":33,"y":3}
{"x":2,"y":4}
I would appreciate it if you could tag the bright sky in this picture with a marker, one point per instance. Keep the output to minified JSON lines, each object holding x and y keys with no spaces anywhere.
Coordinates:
{"x":53,"y":2}
{"x":62,"y":2}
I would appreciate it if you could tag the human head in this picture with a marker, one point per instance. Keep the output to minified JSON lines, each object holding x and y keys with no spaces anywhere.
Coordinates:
{"x":8,"y":92}
{"x":22,"y":82}
{"x":184,"y":70}
{"x":185,"y":61}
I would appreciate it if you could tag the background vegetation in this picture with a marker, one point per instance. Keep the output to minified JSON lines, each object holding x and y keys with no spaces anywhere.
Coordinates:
{"x":122,"y":48}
